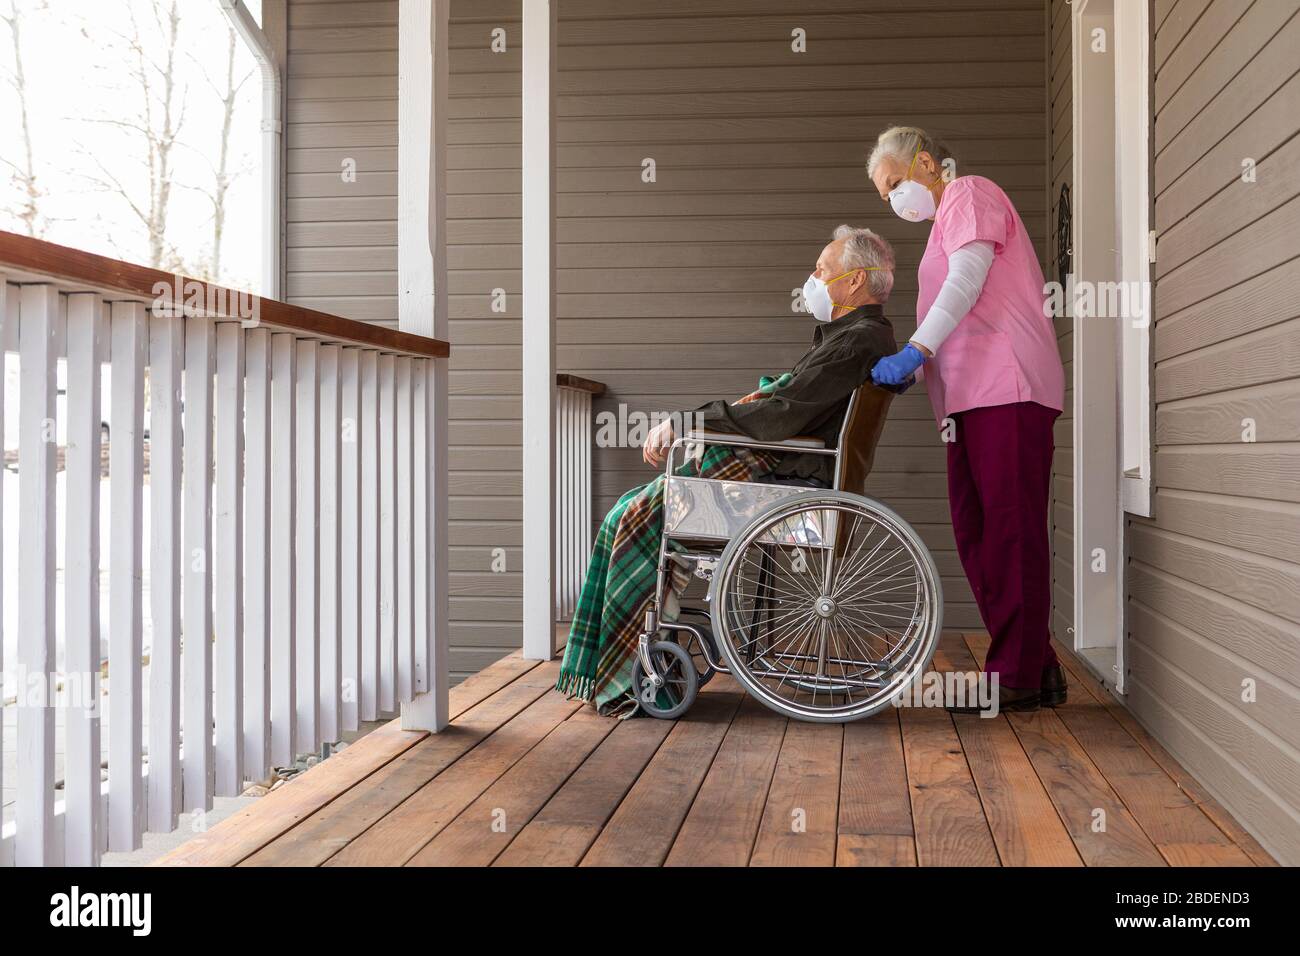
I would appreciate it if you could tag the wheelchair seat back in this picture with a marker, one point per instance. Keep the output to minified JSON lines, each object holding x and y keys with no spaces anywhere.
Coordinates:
{"x":863,"y":422}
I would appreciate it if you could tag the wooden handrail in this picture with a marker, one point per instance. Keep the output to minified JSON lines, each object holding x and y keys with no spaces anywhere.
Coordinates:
{"x":565,"y":380}
{"x":25,"y":259}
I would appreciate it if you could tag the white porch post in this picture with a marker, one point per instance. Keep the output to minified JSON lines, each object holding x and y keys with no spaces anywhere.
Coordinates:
{"x":538,"y":195}
{"x":422,"y":78}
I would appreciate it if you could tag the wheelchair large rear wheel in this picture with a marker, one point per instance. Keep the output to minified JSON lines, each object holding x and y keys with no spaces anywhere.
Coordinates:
{"x":826,"y":605}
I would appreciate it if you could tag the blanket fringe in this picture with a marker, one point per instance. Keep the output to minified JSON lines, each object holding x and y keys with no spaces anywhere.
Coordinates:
{"x":621,"y":709}
{"x":573,"y":685}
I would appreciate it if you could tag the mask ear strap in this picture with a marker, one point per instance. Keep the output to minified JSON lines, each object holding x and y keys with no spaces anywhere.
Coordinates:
{"x":849,"y":273}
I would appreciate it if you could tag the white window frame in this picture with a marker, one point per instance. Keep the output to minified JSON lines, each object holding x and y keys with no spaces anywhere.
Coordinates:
{"x":260,"y":37}
{"x":1136,"y":248}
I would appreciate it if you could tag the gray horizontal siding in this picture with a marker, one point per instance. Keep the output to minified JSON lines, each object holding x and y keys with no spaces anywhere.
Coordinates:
{"x":677,"y":292}
{"x":341,"y":257}
{"x":1213,"y":577}
{"x":1060,"y":109}
{"x":759,"y":155}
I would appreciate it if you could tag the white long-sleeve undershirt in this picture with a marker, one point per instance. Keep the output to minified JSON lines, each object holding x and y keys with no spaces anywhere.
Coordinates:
{"x":968,"y":268}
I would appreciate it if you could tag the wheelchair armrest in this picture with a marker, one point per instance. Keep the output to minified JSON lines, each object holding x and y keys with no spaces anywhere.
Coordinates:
{"x":706,"y":435}
{"x":807,"y":444}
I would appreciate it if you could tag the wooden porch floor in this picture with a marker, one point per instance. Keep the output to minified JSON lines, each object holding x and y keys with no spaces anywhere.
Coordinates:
{"x":525,"y":777}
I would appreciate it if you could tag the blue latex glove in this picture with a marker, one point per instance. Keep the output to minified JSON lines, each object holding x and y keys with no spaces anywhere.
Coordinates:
{"x":897,"y":368}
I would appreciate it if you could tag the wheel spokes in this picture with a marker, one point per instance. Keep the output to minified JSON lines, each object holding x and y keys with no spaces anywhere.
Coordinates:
{"x":825,"y":605}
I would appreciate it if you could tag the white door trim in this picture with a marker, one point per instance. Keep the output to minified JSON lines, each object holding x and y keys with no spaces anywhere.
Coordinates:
{"x":1098,"y":531}
{"x":1135,"y":248}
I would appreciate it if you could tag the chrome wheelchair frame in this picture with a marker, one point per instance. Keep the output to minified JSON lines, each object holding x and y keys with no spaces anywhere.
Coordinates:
{"x":821,"y":642}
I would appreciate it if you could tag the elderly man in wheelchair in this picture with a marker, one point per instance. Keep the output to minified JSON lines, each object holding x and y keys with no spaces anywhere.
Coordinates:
{"x":822,"y":603}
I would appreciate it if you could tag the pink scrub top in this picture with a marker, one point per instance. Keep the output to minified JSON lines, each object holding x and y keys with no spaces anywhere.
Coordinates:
{"x":1004,"y":350}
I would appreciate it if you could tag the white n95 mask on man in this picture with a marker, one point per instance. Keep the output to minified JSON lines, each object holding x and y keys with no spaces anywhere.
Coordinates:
{"x":818,"y":299}
{"x":817,"y":295}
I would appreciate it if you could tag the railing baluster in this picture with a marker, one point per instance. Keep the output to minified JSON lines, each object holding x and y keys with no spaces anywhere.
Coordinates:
{"x":420,"y":522}
{"x":166,"y":360}
{"x":350,"y":536}
{"x":129,"y":345}
{"x":573,"y":431}
{"x":558,"y":429}
{"x":570,"y":492}
{"x":402,"y":618}
{"x":370,"y":520}
{"x":330,"y":643}
{"x":196,"y":593}
{"x":387,"y":535}
{"x":428,"y":710}
{"x":437,"y":640}
{"x":575,"y":538}
{"x":283,"y":656}
{"x":584,"y":499}
{"x":571,"y":509}
{"x":297,"y":556}
{"x":8,"y":325}
{"x":583,"y":523}
{"x":564,"y":489}
{"x":228,"y":570}
{"x":81,"y":789}
{"x":35,"y":844}
{"x":306,"y":549}
{"x":257,"y":553}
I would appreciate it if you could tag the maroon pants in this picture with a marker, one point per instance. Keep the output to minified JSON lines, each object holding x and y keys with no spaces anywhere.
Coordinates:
{"x":999,"y":482}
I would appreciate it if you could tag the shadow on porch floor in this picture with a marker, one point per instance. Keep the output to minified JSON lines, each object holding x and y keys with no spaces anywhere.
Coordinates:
{"x":525,"y":777}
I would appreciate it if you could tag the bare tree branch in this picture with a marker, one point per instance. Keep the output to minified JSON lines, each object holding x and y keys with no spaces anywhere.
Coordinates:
{"x":25,"y":174}
{"x":223,"y":178}
{"x":147,"y":140}
{"x":159,"y":123}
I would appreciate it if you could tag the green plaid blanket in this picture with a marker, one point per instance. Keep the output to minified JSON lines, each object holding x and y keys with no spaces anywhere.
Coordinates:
{"x":621,"y":579}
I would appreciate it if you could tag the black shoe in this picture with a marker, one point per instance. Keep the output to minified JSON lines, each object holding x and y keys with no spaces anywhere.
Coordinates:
{"x":1009,"y":699}
{"x":1053,"y":687}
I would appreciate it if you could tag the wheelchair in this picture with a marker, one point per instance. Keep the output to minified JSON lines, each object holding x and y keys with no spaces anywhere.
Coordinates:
{"x":822,"y":603}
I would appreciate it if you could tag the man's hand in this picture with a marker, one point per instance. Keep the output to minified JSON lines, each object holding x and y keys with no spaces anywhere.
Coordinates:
{"x":657,"y":443}
{"x":751,"y":397}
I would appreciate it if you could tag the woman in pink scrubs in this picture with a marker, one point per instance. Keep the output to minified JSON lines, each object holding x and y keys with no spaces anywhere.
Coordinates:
{"x":987,"y":352}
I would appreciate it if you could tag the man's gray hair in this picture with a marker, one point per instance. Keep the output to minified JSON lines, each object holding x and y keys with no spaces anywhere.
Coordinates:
{"x":863,"y":249}
{"x":903,"y":143}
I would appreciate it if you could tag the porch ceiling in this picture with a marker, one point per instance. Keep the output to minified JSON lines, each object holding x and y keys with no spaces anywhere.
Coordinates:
{"x":525,"y":777}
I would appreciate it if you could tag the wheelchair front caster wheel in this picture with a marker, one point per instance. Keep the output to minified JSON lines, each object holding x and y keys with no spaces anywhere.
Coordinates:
{"x":681,"y":681}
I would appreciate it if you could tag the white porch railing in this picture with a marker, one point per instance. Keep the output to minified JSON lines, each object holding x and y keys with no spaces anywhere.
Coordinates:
{"x":284,"y":589}
{"x":573,"y":491}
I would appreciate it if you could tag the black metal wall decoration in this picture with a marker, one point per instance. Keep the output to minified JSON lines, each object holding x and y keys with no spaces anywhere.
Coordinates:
{"x":1064,"y":234}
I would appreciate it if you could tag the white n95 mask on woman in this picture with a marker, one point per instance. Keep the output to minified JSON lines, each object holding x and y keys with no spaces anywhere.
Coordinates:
{"x":912,"y":201}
